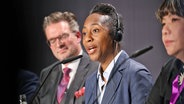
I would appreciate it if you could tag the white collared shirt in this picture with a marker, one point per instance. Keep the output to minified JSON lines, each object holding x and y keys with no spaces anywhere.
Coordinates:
{"x":106,"y":75}
{"x":73,"y":65}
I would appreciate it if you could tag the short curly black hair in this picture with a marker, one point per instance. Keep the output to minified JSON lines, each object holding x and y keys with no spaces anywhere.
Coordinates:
{"x":115,"y":17}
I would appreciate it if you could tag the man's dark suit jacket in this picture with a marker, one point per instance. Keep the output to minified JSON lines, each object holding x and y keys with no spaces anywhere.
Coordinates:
{"x":27,"y":83}
{"x":47,"y":94}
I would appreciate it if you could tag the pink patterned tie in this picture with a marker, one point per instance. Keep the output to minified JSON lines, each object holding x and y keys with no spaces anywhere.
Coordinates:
{"x":63,"y":84}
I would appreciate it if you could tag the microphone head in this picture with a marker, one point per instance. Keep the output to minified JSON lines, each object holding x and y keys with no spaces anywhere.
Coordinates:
{"x":140,"y":52}
{"x":71,"y":59}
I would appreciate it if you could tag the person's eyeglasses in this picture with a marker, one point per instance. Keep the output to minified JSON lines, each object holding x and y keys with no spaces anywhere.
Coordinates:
{"x":52,"y":41}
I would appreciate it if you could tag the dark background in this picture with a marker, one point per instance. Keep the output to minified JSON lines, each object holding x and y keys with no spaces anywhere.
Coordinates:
{"x":31,"y":52}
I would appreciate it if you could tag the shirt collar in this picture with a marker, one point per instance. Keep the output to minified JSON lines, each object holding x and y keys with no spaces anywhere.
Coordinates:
{"x":74,"y":64}
{"x":109,"y":68}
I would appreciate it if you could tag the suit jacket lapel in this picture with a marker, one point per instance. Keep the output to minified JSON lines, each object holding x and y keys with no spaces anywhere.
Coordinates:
{"x":93,"y":97}
{"x":114,"y":80}
{"x":56,"y":76}
{"x":79,"y":79}
{"x":111,"y":88}
{"x":49,"y":90}
{"x":81,"y":73}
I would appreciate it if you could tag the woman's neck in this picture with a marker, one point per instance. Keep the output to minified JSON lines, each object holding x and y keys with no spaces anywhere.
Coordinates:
{"x":108,"y":59}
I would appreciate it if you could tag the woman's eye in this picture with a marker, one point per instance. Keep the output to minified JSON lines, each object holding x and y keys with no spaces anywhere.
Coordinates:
{"x":95,"y":30}
{"x":163,"y":24}
{"x":174,"y":19}
{"x":83,"y":33}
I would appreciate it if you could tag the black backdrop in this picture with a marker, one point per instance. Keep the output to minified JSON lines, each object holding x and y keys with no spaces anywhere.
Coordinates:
{"x":32,"y":53}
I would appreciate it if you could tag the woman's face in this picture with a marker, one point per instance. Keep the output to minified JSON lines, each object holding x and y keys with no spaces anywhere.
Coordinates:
{"x":173,"y":35}
{"x":96,"y":38}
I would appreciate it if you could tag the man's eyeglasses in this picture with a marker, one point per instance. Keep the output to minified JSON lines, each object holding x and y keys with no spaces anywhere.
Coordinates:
{"x":62,"y":37}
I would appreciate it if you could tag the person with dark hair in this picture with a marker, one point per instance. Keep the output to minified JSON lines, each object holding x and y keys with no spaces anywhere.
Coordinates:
{"x":64,"y":39}
{"x":169,"y":86}
{"x":119,"y":79}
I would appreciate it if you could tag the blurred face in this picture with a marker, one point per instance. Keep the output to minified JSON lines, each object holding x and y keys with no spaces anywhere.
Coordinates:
{"x":96,"y":38}
{"x":63,"y":42}
{"x":173,"y":35}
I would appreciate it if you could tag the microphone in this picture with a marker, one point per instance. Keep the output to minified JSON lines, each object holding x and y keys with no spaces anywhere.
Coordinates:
{"x":22,"y":99}
{"x":139,"y":52}
{"x":134,"y":55}
{"x":70,"y":59}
